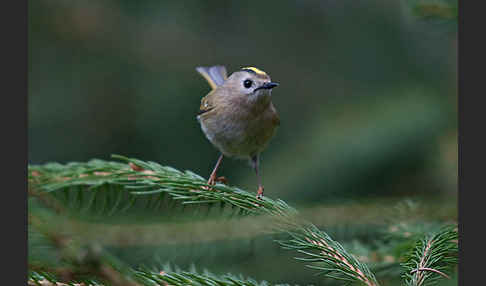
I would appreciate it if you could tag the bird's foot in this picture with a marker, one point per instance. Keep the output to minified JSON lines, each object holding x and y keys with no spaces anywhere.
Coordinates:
{"x":212,"y":181}
{"x":260,"y":193}
{"x":221,"y":179}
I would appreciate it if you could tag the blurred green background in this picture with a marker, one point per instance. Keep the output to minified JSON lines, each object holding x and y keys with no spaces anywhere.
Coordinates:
{"x":367,"y":101}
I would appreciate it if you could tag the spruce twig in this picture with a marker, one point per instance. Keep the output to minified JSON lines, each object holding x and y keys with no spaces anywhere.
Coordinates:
{"x":145,"y":178}
{"x":81,"y":260}
{"x":327,"y":255}
{"x":163,"y":278}
{"x":185,"y":278}
{"x":432,"y":257}
{"x":139,"y":178}
{"x":43,"y":278}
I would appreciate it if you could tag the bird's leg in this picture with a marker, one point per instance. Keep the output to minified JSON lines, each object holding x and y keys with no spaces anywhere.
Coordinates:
{"x":256,"y":162}
{"x":212,"y":177}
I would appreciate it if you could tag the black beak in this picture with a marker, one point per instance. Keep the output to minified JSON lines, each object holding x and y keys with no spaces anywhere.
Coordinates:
{"x":267,"y":85}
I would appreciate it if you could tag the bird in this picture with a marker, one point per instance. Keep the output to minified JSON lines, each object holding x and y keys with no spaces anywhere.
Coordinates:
{"x":238,"y":116}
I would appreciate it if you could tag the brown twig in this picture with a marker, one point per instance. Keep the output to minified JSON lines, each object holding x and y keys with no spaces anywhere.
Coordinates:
{"x":419,"y":275}
{"x":431,"y":269}
{"x":332,"y":252}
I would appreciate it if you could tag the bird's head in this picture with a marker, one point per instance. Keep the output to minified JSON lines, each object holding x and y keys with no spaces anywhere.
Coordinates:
{"x":252,"y":83}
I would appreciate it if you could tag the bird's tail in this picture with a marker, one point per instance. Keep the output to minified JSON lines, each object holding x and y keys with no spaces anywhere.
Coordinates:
{"x":215,"y":75}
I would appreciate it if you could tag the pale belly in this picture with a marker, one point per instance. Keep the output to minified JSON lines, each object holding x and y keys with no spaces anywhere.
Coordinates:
{"x":239,"y":138}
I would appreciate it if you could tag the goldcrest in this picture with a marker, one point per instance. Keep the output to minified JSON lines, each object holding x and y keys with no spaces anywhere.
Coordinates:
{"x":237,"y":116}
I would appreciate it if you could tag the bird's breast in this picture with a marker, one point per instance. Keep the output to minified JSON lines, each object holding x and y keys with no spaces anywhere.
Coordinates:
{"x":238,"y":131}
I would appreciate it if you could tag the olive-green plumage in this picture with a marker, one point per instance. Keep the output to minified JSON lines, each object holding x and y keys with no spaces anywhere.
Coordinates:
{"x":238,"y":116}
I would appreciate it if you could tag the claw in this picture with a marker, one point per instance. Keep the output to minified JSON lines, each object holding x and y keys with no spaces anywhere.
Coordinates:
{"x":212,"y":181}
{"x":221,"y":179}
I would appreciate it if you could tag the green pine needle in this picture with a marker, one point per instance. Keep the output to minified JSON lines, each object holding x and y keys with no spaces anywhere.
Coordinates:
{"x":113,"y":182}
{"x":107,"y":187}
{"x":432,"y":258}
{"x":327,"y":255}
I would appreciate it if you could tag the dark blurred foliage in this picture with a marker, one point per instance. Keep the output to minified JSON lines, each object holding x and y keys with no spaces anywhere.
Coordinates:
{"x":367,"y":94}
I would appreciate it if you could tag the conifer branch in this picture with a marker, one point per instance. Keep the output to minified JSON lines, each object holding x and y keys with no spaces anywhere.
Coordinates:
{"x":185,"y":278}
{"x":431,"y":269}
{"x":136,"y":178}
{"x":139,"y":178}
{"x":432,"y":257}
{"x":80,"y":260}
{"x":327,"y":255}
{"x":148,"y":178}
{"x":46,"y":279}
{"x":163,"y":278}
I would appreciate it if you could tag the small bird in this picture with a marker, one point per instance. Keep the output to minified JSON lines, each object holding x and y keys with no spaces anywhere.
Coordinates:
{"x":237,"y":116}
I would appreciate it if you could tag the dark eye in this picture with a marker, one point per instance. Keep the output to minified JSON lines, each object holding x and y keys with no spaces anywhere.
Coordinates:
{"x":247,"y":83}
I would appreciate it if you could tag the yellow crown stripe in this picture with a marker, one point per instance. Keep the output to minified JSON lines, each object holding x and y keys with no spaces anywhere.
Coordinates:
{"x":257,"y":71}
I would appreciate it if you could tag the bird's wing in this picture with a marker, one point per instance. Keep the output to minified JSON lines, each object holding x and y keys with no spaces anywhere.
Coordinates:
{"x":206,"y":104}
{"x":215,"y":75}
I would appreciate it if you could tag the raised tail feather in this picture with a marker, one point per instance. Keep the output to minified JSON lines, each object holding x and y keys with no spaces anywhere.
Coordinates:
{"x":215,"y":75}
